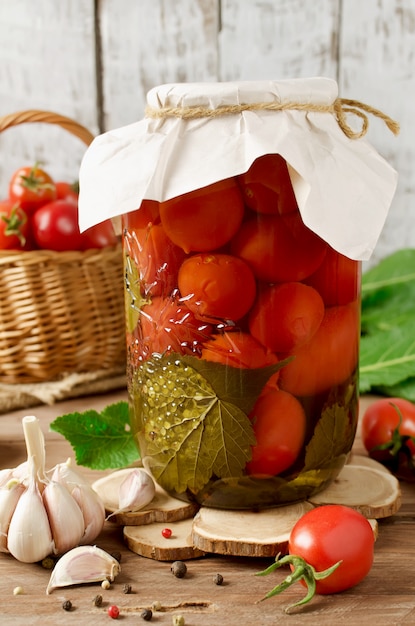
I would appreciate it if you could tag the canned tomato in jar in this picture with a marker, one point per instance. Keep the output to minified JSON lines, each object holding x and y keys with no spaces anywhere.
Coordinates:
{"x":243,"y":235}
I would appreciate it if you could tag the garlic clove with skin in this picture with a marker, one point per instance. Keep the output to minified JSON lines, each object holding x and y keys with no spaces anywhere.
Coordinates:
{"x":65,"y":517}
{"x":9,"y":497}
{"x":68,"y":475}
{"x":89,"y":502}
{"x":84,"y":564}
{"x":93,"y":511}
{"x":5,"y":476}
{"x":29,"y":538}
{"x":136,"y":491}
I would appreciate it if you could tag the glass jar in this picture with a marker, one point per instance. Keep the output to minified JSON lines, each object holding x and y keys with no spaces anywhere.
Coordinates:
{"x":247,"y":209}
{"x":242,"y":341}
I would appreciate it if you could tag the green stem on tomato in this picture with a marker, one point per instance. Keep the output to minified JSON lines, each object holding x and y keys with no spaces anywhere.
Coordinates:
{"x":301,"y":571}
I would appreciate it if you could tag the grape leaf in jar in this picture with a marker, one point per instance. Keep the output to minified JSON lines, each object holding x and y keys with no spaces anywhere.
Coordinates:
{"x":193,"y":417}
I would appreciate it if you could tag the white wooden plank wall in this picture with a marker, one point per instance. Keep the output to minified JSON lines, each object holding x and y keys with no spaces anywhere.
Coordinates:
{"x":95,"y":60}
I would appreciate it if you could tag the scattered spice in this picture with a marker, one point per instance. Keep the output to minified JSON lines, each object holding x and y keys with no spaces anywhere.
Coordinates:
{"x":18,"y":591}
{"x":106,"y":584}
{"x":218,"y":579}
{"x":167,"y":533}
{"x":98,"y":600}
{"x":67,"y":605}
{"x":146,"y":615}
{"x":126,"y":588}
{"x":178,"y":620}
{"x":113,"y":611}
{"x":48,"y":562}
{"x":179,"y":569}
{"x":156,"y":605}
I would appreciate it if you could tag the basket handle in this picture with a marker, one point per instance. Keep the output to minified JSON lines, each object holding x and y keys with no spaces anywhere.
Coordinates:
{"x":34,"y":116}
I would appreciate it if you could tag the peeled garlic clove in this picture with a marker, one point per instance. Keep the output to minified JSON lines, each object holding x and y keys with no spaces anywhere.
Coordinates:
{"x":9,"y":497}
{"x":136,"y":491}
{"x":29,"y":537}
{"x":93,"y":511}
{"x":65,"y":517}
{"x":84,"y":564}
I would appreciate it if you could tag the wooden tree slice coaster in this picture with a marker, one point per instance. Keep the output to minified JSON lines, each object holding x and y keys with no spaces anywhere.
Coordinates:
{"x":148,"y":541}
{"x":163,"y":508}
{"x":246,"y":533}
{"x":372,"y":491}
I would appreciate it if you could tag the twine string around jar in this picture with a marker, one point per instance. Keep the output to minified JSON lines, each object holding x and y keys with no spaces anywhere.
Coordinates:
{"x":340,"y":108}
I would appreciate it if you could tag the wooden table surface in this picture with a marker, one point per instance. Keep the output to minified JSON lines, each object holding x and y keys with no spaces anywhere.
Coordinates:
{"x":386,"y":597}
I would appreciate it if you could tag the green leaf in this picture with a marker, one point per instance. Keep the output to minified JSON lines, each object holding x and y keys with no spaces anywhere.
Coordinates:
{"x":387,"y":358}
{"x":404,"y":389}
{"x":396,"y":269}
{"x":333,"y":434}
{"x":193,"y":432}
{"x":100,"y":440}
{"x":387,"y":347}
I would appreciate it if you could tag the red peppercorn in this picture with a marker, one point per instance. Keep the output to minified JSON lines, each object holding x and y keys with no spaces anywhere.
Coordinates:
{"x":113,"y":611}
{"x":167,"y":533}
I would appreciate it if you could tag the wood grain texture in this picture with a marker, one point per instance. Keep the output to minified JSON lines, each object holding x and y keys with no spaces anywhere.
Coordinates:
{"x":385,"y":597}
{"x":48,"y":59}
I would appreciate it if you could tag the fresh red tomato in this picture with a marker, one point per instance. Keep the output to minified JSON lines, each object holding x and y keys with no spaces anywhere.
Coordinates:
{"x":217,"y":286}
{"x":279,"y":423}
{"x":55,"y":226}
{"x":67,"y":191}
{"x":14,"y":226}
{"x":31,"y":187}
{"x":329,"y":534}
{"x":99,"y":236}
{"x":381,"y":423}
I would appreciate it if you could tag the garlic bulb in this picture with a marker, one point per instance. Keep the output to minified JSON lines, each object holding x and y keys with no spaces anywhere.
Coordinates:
{"x":40,"y":516}
{"x":84,"y":564}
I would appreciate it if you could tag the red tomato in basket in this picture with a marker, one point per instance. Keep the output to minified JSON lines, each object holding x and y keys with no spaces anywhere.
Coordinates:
{"x":55,"y":227}
{"x":31,"y":188}
{"x":14,"y":226}
{"x":67,"y":191}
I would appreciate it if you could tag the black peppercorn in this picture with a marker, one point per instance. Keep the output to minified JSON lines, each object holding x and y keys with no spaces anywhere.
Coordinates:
{"x":179,"y":569}
{"x":98,"y":600}
{"x":218,"y":579}
{"x":126,"y":588}
{"x":147,"y":615}
{"x":67,"y":605}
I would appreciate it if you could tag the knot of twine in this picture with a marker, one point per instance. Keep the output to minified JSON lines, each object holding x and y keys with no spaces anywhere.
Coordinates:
{"x":340,"y":108}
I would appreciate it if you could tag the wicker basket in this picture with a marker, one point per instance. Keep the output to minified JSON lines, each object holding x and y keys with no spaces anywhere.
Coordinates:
{"x":60,"y":312}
